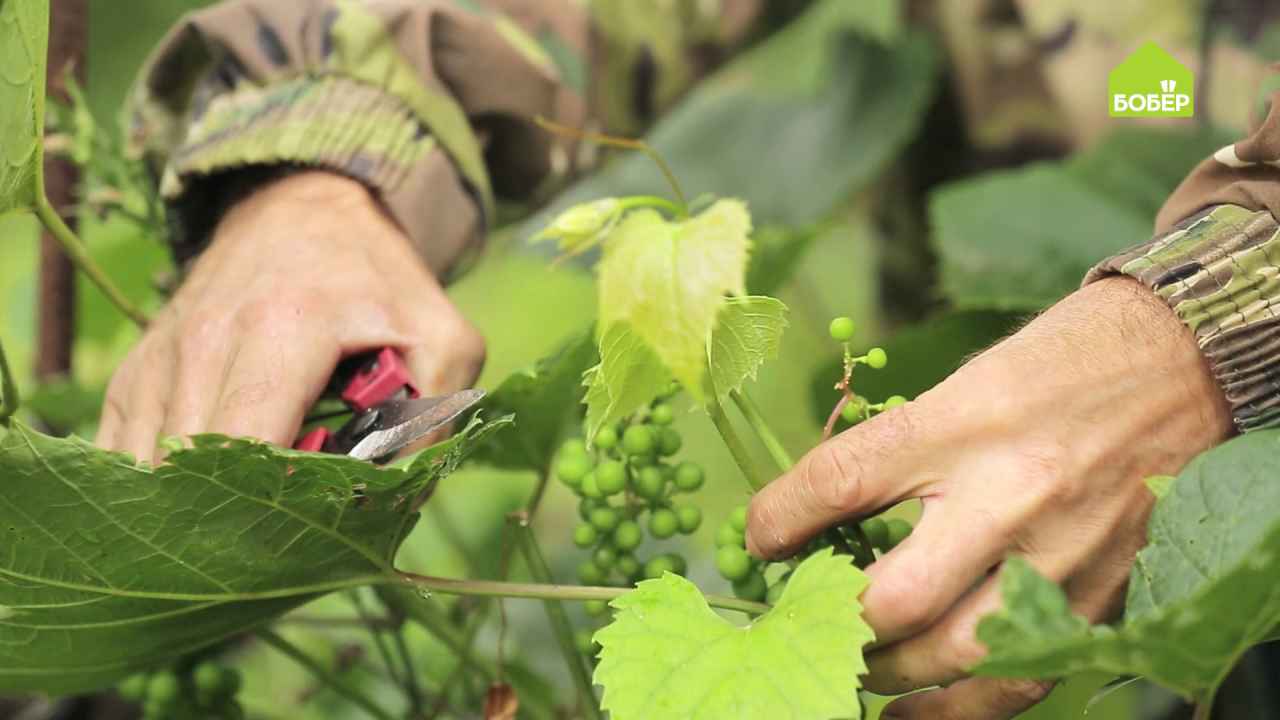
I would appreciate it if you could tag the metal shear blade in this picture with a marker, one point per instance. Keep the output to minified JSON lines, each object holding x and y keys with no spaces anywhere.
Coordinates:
{"x":394,"y":425}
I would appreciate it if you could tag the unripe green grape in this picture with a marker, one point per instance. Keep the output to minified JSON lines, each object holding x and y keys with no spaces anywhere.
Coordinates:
{"x":595,"y":608}
{"x":574,"y":446}
{"x":605,"y":519}
{"x":643,"y":461}
{"x":587,"y":506}
{"x":877,"y":532}
{"x":134,"y":687}
{"x":841,"y":329}
{"x":689,"y":517}
{"x":752,"y":587}
{"x":729,"y":536}
{"x":852,"y":411}
{"x":899,"y":530}
{"x":163,"y":689}
{"x":207,"y":678}
{"x":607,"y":438}
{"x":638,"y":440}
{"x":877,"y":358}
{"x":664,"y":563}
{"x":611,"y":477}
{"x":738,"y":518}
{"x":776,"y":589}
{"x":662,"y":414}
{"x":669,"y":442}
{"x":604,"y":557}
{"x":894,"y":401}
{"x":628,"y":535}
{"x":572,"y":468}
{"x":152,"y":710}
{"x":589,"y":573}
{"x":733,"y":562}
{"x":590,"y":487}
{"x":649,"y":483}
{"x":585,"y":644}
{"x":585,"y":535}
{"x":688,"y":477}
{"x":663,"y":523}
{"x":678,"y":560}
{"x":629,"y":567}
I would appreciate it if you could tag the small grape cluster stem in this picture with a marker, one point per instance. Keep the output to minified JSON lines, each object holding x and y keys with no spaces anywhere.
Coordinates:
{"x":323,"y":674}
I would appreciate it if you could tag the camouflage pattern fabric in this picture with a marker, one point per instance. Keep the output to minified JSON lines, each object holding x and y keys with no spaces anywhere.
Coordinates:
{"x":430,"y":104}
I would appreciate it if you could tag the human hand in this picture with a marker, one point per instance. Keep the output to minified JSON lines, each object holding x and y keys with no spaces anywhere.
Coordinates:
{"x":303,"y":272}
{"x":1038,"y":446}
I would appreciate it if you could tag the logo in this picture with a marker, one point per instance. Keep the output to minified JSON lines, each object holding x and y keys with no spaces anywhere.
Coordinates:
{"x":1151,"y":83}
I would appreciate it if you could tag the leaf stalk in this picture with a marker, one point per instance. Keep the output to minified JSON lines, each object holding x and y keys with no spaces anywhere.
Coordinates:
{"x":75,"y":250}
{"x":9,"y":398}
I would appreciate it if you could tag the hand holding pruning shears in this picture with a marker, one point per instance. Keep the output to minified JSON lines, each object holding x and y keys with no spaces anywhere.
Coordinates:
{"x":303,"y":273}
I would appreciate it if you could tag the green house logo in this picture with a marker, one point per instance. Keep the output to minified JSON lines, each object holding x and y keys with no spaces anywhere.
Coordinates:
{"x":1151,"y":83}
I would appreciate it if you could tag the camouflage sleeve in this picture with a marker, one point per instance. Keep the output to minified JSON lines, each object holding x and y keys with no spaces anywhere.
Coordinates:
{"x":428,"y":102}
{"x":1216,"y":261}
{"x":418,"y":100}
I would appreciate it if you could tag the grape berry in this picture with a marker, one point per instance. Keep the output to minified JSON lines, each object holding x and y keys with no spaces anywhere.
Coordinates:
{"x":206,"y":691}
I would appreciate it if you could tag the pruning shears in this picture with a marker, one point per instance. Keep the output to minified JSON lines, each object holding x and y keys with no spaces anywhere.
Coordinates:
{"x":390,"y":413}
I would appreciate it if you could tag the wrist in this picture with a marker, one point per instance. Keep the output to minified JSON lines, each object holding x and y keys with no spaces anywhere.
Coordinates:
{"x":313,"y":209}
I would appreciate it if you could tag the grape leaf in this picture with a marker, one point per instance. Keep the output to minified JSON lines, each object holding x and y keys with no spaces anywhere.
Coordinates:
{"x":817,"y":110}
{"x":543,"y":398}
{"x":669,"y":281}
{"x":1200,"y":593}
{"x":748,"y":333}
{"x":24,"y":43}
{"x":110,"y":567}
{"x":668,"y":655}
{"x":628,"y":376}
{"x":1021,"y":239}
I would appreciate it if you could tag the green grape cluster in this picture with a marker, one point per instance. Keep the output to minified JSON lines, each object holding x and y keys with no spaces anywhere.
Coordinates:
{"x":206,"y":691}
{"x":859,"y":408}
{"x":631,"y":488}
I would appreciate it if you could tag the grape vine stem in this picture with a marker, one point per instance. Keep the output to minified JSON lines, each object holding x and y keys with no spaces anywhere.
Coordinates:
{"x":75,"y":250}
{"x":626,"y":144}
{"x":551,"y":591}
{"x":9,"y":398}
{"x":741,"y":456}
{"x":323,"y":674}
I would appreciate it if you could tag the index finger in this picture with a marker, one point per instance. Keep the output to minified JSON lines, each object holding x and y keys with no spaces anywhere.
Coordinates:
{"x":863,"y":469}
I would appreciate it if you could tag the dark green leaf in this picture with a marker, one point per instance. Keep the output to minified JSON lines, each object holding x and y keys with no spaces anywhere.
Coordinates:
{"x":111,"y":567}
{"x":1200,"y":594}
{"x":1021,"y":239}
{"x":545,"y":399}
{"x":795,"y":152}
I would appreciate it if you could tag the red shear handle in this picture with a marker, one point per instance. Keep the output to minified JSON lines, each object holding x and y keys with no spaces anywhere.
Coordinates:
{"x":377,"y":380}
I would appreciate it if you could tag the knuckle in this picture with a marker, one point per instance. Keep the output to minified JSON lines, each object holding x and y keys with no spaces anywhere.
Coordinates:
{"x":832,"y":477}
{"x":1046,"y":473}
{"x":272,"y":313}
{"x":1020,"y":694}
{"x":963,"y":649}
{"x":203,"y":329}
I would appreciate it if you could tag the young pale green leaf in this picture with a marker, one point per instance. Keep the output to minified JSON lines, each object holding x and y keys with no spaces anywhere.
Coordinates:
{"x":582,"y":227}
{"x":24,"y":42}
{"x":628,"y":376}
{"x":544,"y":399}
{"x":749,"y":333}
{"x":668,"y":655}
{"x":111,"y":567}
{"x":669,"y":281}
{"x":1200,"y":594}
